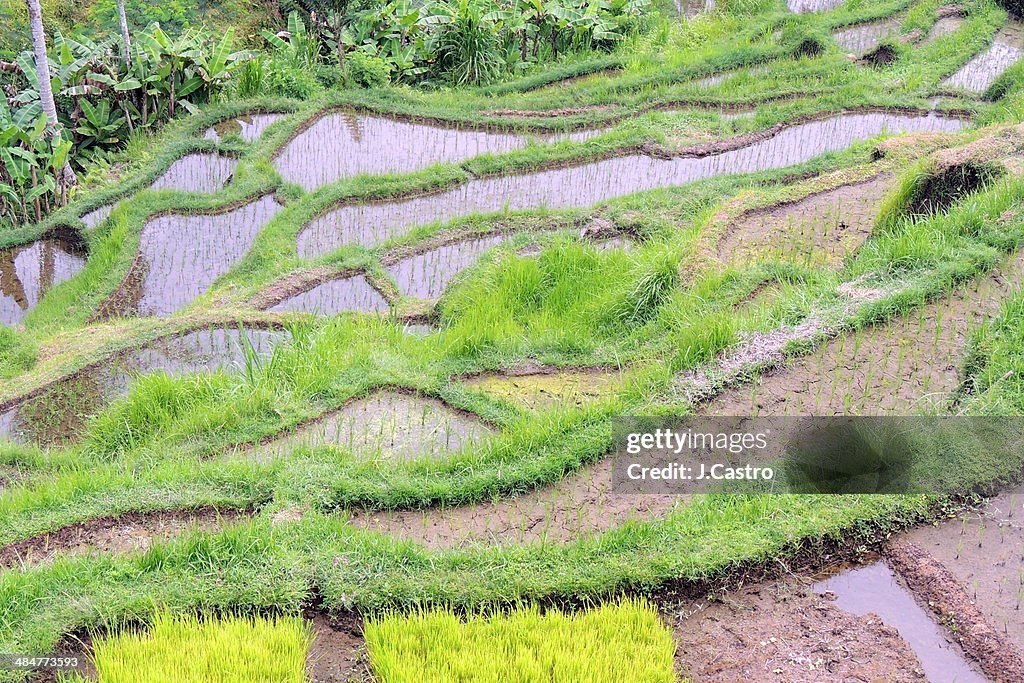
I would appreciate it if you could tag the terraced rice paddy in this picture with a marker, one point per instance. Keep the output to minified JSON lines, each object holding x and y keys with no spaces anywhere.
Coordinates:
{"x":362,"y":362}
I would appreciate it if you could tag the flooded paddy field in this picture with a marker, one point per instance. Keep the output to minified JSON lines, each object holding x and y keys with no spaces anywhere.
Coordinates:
{"x":28,"y":271}
{"x":181,"y":255}
{"x":426,"y":275}
{"x":388,"y":425}
{"x":581,"y":186}
{"x":982,"y":70}
{"x":58,"y":414}
{"x":334,"y":296}
{"x":864,"y":37}
{"x":248,"y":128}
{"x":201,"y":172}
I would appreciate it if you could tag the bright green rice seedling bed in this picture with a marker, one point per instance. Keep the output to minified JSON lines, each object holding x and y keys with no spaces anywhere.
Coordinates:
{"x":624,"y":642}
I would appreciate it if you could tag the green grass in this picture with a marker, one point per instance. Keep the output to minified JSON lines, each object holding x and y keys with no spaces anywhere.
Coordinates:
{"x":188,"y":649}
{"x":613,"y":642}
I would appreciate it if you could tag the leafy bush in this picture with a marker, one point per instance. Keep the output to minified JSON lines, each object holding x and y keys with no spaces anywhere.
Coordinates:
{"x":251,"y":80}
{"x":468,"y":49}
{"x":289,"y":80}
{"x":367,"y":70}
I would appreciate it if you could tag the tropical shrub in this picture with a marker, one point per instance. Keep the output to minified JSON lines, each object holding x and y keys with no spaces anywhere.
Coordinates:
{"x":368,"y":70}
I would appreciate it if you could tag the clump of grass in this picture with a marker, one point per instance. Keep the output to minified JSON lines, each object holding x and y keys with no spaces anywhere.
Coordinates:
{"x":187,"y":649}
{"x":623,"y":642}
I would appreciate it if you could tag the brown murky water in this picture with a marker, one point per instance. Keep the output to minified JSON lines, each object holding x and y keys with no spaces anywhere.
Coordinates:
{"x":196,"y":173}
{"x":348,"y":294}
{"x":979,"y":73}
{"x":874,"y":589}
{"x":345,"y":144}
{"x":58,"y":415}
{"x":387,"y":424}
{"x":181,"y":255}
{"x":864,"y":37}
{"x":581,"y":186}
{"x":26,"y":272}
{"x":248,"y":127}
{"x":426,"y":275}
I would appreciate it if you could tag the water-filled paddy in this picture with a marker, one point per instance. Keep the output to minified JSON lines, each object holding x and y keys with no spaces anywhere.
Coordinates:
{"x":203,"y":172}
{"x":334,"y":296}
{"x":28,"y":271}
{"x":181,"y":255}
{"x":580,"y":186}
{"x":863,"y":37}
{"x":248,"y":127}
{"x":981,"y":71}
{"x":426,"y":275}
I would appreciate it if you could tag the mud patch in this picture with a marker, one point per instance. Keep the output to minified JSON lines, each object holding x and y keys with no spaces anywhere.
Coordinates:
{"x":542,"y":391}
{"x":335,"y":296}
{"x":389,"y":425}
{"x":781,"y":632}
{"x":979,"y":73}
{"x":874,"y":590}
{"x":58,"y":415}
{"x":899,"y":367}
{"x":28,"y":271}
{"x":983,"y":550}
{"x":586,"y":185}
{"x":345,"y":144}
{"x":426,"y":275}
{"x":826,"y":226}
{"x":196,"y":173}
{"x":580,"y":506}
{"x":864,"y":37}
{"x":132,"y":532}
{"x":338,"y":653}
{"x":180,"y":256}
{"x":248,"y":128}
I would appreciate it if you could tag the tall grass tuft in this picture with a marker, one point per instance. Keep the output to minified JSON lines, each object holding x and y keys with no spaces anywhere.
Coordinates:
{"x":624,"y":642}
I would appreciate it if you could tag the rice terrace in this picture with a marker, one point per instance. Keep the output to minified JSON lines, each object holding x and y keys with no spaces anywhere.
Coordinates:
{"x":352,"y":341}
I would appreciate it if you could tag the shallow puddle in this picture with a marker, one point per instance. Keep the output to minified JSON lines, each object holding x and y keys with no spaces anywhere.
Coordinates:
{"x":28,"y":271}
{"x":196,"y":173}
{"x":864,"y":37}
{"x":582,"y":186}
{"x":248,"y":127}
{"x":979,"y":73}
{"x":180,"y":256}
{"x":344,"y":144}
{"x":824,"y":227}
{"x":426,"y":275}
{"x":58,"y":415}
{"x":804,"y":6}
{"x":549,"y":390}
{"x":874,"y":589}
{"x":388,"y":424}
{"x":334,"y":296}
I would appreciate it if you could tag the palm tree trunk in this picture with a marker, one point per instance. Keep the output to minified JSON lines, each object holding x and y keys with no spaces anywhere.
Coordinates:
{"x":35,"y":17}
{"x":126,"y":38}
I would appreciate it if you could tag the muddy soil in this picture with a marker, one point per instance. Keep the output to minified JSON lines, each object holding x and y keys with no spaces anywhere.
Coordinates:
{"x":983,"y":549}
{"x":865,"y":37}
{"x":581,"y":186}
{"x":248,"y":128}
{"x":542,"y":391}
{"x":981,"y":71}
{"x":908,"y":364}
{"x":826,"y":226}
{"x":338,"y":653}
{"x":28,"y":271}
{"x":180,"y":256}
{"x":390,"y":425}
{"x":781,"y":631}
{"x":426,"y":275}
{"x":128,"y":533}
{"x":196,"y":173}
{"x":58,"y":415}
{"x":581,"y":505}
{"x":335,"y":296}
